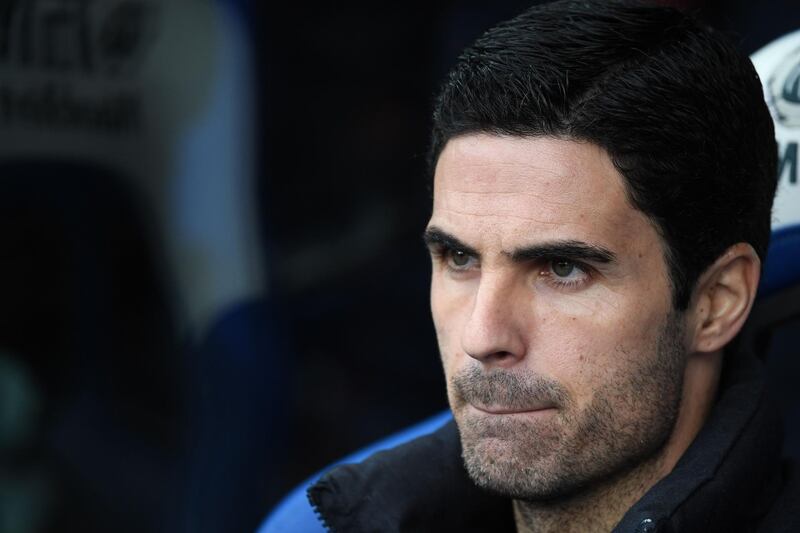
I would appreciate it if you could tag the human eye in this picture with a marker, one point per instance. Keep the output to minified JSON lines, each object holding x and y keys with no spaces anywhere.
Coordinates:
{"x":459,"y":260}
{"x":565,"y":274}
{"x":453,"y":259}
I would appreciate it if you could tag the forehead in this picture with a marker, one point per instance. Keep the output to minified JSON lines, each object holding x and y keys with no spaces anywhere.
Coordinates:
{"x":506,"y":189}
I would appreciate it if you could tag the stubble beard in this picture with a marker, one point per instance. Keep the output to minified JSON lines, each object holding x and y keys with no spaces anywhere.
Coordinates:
{"x":627,"y":423}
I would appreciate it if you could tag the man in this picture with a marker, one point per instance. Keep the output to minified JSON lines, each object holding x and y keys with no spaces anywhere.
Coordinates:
{"x":603,"y":180}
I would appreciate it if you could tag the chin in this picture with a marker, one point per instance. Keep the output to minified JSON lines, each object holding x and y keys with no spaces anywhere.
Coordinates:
{"x":517,"y":464}
{"x":501,"y":473}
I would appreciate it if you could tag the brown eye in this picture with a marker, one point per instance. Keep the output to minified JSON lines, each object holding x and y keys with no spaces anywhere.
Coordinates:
{"x":459,"y":258}
{"x":563,"y":269}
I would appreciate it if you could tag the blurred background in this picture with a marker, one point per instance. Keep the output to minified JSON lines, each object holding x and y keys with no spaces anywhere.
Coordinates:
{"x":211,"y":271}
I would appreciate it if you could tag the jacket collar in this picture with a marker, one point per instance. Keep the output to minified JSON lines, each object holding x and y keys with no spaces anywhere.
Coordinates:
{"x":419,"y":486}
{"x":725,"y":481}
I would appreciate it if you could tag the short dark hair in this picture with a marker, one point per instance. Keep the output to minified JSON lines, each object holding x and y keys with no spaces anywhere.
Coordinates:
{"x":676,"y":105}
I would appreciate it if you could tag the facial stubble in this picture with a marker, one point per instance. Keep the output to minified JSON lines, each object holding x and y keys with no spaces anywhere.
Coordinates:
{"x":567,"y":450}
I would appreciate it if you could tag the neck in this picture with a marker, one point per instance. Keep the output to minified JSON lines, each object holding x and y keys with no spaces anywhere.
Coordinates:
{"x":601,"y":506}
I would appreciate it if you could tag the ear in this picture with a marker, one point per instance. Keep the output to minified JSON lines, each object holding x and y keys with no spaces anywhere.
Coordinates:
{"x":723,"y":297}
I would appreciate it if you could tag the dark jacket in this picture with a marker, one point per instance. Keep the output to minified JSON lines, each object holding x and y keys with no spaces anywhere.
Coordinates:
{"x":731,"y":479}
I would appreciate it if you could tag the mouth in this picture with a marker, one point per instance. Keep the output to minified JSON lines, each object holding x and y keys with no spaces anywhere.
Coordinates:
{"x":500,"y":410}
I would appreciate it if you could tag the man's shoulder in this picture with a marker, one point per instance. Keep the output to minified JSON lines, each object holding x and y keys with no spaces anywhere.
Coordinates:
{"x":418,"y":486}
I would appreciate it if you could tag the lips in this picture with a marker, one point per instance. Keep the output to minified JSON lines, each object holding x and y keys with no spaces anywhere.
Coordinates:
{"x":504,"y":392}
{"x":500,"y":410}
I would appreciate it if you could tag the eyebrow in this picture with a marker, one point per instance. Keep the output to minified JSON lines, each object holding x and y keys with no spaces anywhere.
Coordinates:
{"x":571,"y":250}
{"x":434,"y":236}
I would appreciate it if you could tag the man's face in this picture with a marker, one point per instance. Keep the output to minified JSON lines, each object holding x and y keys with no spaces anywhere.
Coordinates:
{"x":552,"y":307}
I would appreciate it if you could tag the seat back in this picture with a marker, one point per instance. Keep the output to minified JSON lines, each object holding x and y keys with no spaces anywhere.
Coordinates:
{"x":774,"y":328}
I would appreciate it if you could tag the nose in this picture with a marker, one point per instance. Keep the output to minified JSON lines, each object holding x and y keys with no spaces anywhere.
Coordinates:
{"x":494,"y":332}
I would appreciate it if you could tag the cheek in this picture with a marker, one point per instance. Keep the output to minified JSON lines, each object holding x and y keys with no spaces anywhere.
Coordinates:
{"x":443,"y":313}
{"x":585,"y":350}
{"x":450,"y":310}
